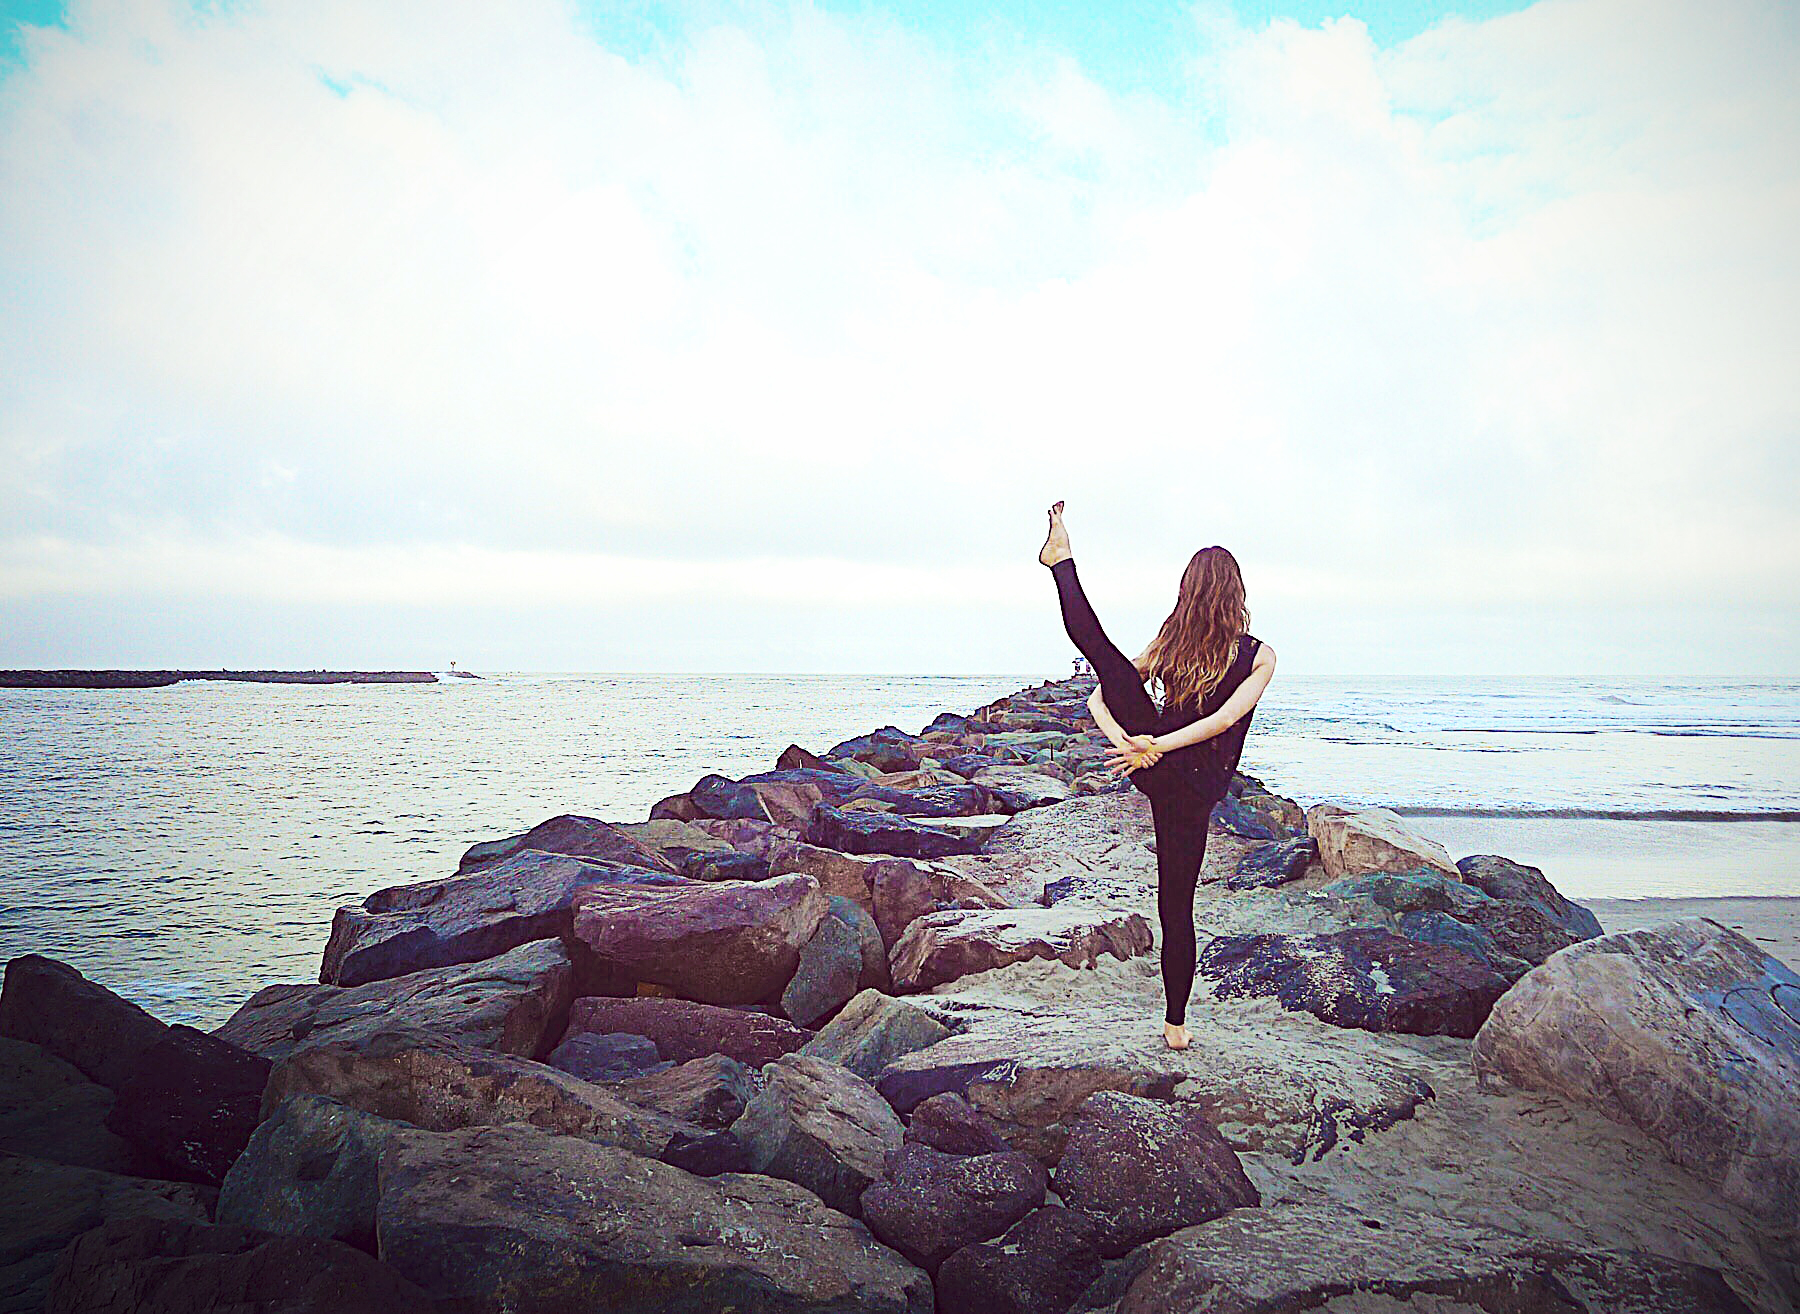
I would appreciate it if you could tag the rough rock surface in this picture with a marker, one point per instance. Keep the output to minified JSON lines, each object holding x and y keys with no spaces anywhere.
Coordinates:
{"x":44,"y":1206}
{"x":1376,"y":839}
{"x":575,"y":837}
{"x":709,"y":1092}
{"x":1142,"y":1168}
{"x":419,"y":1077}
{"x":683,"y":1029}
{"x":1020,"y":787}
{"x":818,"y":1124}
{"x":729,"y":942}
{"x":192,"y":1101}
{"x":1687,"y":1031}
{"x":514,"y":1219}
{"x":950,"y":1123}
{"x":1275,"y":862}
{"x":836,"y":962}
{"x":943,"y":946}
{"x":929,"y":1203}
{"x":465,"y":919}
{"x":1268,"y":1080}
{"x":1367,"y":978}
{"x":309,"y":1170}
{"x":49,"y":1110}
{"x":607,"y":1056}
{"x":904,"y":891}
{"x":877,"y":832}
{"x":166,"y":1266}
{"x":50,"y":1004}
{"x":513,"y":1002}
{"x":872,"y":1030}
{"x":1514,"y":882}
{"x":1040,"y":1265}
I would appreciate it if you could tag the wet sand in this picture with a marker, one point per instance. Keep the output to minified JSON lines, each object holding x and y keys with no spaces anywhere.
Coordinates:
{"x":1774,"y":923}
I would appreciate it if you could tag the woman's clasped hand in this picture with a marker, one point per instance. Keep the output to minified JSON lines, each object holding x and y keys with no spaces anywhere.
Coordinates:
{"x":1139,"y":751}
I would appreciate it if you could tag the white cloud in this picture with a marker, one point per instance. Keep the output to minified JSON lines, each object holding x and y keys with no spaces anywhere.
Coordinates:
{"x":349,"y":301}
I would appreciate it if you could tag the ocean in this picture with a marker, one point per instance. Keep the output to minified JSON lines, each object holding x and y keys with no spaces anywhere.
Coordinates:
{"x":187,"y":845}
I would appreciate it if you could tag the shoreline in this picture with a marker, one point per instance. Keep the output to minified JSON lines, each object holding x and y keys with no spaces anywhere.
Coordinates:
{"x":1771,"y":920}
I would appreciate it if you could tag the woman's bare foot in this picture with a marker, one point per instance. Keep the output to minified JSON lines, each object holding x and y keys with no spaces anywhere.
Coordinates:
{"x":1056,"y":545}
{"x":1175,"y":1036}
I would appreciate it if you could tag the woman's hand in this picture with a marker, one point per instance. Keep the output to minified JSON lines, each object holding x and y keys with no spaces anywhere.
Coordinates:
{"x":1139,"y":751}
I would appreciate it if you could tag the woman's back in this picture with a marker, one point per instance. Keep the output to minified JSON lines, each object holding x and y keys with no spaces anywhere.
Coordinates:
{"x":1210,"y":763}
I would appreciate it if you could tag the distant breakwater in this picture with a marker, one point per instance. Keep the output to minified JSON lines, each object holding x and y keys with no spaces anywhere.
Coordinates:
{"x":157,"y":679}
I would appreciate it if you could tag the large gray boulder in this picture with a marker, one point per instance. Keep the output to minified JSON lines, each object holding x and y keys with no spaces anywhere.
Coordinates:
{"x":464,"y":919}
{"x":818,"y":1124}
{"x":409,"y":1075}
{"x":943,"y":946}
{"x":843,"y":955}
{"x":1374,"y":839}
{"x":1514,"y":882}
{"x":517,"y":1220}
{"x":309,"y":1170}
{"x":1688,"y":1031}
{"x":717,"y":942}
{"x":514,"y":1002}
{"x":872,"y":1030}
{"x":928,"y":1203}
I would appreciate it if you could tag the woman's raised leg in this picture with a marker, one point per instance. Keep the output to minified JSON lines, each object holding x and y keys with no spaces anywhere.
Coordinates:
{"x":1120,"y":684}
{"x":1180,"y":849}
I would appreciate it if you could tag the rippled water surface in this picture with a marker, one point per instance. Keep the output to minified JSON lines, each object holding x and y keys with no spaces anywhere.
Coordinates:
{"x":187,"y":845}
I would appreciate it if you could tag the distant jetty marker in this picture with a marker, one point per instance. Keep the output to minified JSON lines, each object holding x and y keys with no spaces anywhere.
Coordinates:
{"x":156,"y":679}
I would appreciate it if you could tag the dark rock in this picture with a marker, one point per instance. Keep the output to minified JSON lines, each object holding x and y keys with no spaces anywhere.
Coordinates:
{"x":165,"y":1266}
{"x":885,"y":833}
{"x":1430,"y":927}
{"x":928,"y":1204}
{"x":967,"y":765}
{"x":1143,"y":1168}
{"x":721,"y":797}
{"x":515,"y":1002}
{"x":1233,"y":816}
{"x":710,"y":1092}
{"x":465,"y":919}
{"x":675,"y":807}
{"x":902,"y":891}
{"x":831,"y":964}
{"x":575,"y":837}
{"x":44,"y":1206}
{"x":48,"y":1109}
{"x":1370,"y":979}
{"x":1509,"y":932}
{"x":607,"y":1056}
{"x":947,"y":721}
{"x":419,"y":1077}
{"x":683,"y":1029}
{"x":50,"y":1004}
{"x":732,"y":943}
{"x":949,"y":1123}
{"x":724,"y":865}
{"x":1514,"y":882}
{"x":708,"y":1152}
{"x":887,"y":749}
{"x":946,"y":801}
{"x":1017,"y":788}
{"x":820,"y":1125}
{"x":310,"y":1169}
{"x":1040,"y":1265}
{"x":795,"y":756}
{"x":510,"y":1218}
{"x":1275,"y":862}
{"x":191,"y":1101}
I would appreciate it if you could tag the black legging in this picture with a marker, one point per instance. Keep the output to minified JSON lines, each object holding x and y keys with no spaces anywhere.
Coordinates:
{"x":1180,"y":815}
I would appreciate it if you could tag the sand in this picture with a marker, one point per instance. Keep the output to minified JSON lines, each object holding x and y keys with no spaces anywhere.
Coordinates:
{"x":1774,"y":923}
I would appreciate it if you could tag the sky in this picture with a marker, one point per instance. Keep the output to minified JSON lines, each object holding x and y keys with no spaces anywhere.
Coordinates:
{"x":758,"y":336}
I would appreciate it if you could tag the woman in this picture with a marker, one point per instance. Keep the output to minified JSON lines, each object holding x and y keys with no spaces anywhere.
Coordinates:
{"x":1182,"y":755}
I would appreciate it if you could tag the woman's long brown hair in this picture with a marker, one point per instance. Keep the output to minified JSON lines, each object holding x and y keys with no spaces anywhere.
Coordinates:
{"x":1196,"y":644}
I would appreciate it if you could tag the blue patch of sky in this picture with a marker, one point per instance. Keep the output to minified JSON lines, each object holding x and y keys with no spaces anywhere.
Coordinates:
{"x":18,"y":14}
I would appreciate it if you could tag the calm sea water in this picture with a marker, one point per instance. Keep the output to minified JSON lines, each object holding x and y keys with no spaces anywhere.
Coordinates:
{"x":187,"y":845}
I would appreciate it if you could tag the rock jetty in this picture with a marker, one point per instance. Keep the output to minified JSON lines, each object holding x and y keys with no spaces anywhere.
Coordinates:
{"x":158,"y":679}
{"x":877,"y":1031}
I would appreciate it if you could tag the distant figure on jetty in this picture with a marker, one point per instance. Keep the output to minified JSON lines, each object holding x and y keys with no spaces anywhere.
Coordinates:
{"x":1082,"y":668}
{"x":1212,"y":671}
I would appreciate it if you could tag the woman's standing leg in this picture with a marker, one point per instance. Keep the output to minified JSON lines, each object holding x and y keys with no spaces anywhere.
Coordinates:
{"x":1180,"y":849}
{"x":1120,"y":684}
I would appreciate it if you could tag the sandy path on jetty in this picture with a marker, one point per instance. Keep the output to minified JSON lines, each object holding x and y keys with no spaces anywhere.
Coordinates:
{"x":1521,"y":1167}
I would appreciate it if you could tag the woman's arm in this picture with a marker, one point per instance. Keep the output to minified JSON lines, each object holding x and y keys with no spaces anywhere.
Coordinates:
{"x":1104,"y":719}
{"x":1262,"y":670}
